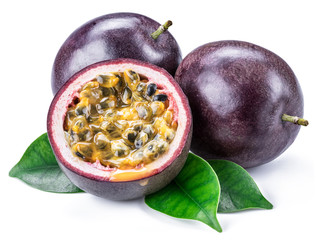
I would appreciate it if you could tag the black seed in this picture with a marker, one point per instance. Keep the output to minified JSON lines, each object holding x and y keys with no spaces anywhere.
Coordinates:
{"x":111,"y":128}
{"x":138,"y":144}
{"x":107,"y":91}
{"x":95,"y":128}
{"x":151,"y":89}
{"x":141,"y":140}
{"x":79,"y":110}
{"x":160,"y":97}
{"x":73,"y":136}
{"x":119,"y":86}
{"x":79,"y":155}
{"x":131,"y":136}
{"x":104,"y":103}
{"x":93,"y":109}
{"x":133,"y":74}
{"x":76,"y":100}
{"x":114,"y":134}
{"x":85,"y":135}
{"x":82,"y":136}
{"x":162,"y":147}
{"x":119,"y":152}
{"x":101,"y":145}
{"x":137,"y":127}
{"x":151,"y":152}
{"x":148,"y":130}
{"x":86,"y":151}
{"x":103,"y":78}
{"x":83,"y":150}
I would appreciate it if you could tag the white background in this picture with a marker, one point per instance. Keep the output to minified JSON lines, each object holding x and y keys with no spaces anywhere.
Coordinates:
{"x":30,"y":35}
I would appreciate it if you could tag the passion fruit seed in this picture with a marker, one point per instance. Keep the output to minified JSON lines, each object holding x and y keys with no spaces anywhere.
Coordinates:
{"x":157,"y":108}
{"x":137,"y":126}
{"x":151,"y":89}
{"x":119,"y":120}
{"x":151,"y":150}
{"x":144,"y":112}
{"x":106,"y":92}
{"x":83,"y":150}
{"x":160,"y":97}
{"x":101,"y":141}
{"x":119,"y":148}
{"x":129,"y":136}
{"x":108,"y":80}
{"x":127,"y":96}
{"x":132,"y":79}
{"x":141,"y":87}
{"x":141,"y":140}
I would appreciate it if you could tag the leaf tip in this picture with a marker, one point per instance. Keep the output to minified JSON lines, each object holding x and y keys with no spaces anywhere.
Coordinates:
{"x":219,"y":230}
{"x":270,"y":205}
{"x":215,"y":225}
{"x":12,"y":172}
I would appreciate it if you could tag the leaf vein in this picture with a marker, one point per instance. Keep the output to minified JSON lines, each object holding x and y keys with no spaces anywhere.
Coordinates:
{"x":190,"y":197}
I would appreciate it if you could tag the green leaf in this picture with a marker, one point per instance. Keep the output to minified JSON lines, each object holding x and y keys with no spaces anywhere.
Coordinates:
{"x":238,"y":190}
{"x":39,"y":169}
{"x":193,"y":194}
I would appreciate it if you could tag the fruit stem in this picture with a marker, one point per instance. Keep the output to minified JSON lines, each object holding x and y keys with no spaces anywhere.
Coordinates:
{"x":161,"y":29}
{"x":295,"y":120}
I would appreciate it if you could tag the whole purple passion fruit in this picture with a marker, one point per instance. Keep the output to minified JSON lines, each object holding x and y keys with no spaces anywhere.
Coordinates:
{"x":120,"y":129}
{"x":242,"y":98}
{"x":112,"y":36}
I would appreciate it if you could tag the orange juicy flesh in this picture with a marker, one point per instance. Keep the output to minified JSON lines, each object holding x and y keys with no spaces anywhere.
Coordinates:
{"x":116,"y":122}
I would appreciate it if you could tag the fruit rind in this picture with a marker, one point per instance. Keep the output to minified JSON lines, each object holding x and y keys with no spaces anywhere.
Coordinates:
{"x":101,"y":183}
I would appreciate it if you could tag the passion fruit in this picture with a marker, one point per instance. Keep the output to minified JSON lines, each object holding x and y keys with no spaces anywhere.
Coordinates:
{"x":120,"y":129}
{"x":242,"y":97}
{"x":112,"y":36}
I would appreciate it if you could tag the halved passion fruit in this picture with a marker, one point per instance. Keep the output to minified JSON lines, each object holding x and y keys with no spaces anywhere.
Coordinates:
{"x":120,"y":129}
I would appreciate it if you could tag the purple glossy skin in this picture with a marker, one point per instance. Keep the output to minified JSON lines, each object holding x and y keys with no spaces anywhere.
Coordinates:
{"x":238,"y":92}
{"x":131,"y":189}
{"x":112,"y":36}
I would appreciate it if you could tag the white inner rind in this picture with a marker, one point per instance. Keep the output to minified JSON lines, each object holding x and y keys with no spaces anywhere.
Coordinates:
{"x":100,"y":172}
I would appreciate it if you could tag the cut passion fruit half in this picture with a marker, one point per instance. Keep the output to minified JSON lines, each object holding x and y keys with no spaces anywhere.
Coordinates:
{"x":120,"y":129}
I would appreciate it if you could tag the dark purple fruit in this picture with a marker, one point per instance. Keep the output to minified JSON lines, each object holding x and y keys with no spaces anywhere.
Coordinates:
{"x":108,"y":165}
{"x":242,"y":97}
{"x":112,"y":36}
